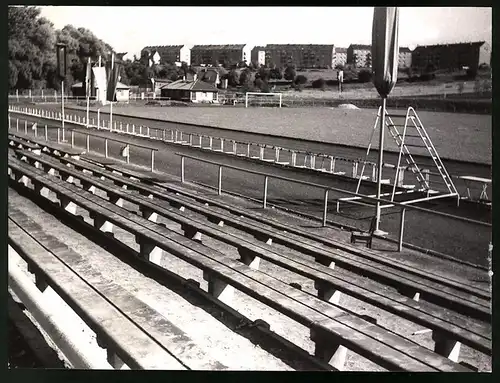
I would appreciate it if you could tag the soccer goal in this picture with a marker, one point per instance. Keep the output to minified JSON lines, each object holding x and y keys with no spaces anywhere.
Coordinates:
{"x":258,"y":98}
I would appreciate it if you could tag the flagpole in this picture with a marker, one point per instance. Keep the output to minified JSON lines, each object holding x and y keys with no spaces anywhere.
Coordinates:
{"x":111,"y":106}
{"x":380,"y":159}
{"x":88,"y":95}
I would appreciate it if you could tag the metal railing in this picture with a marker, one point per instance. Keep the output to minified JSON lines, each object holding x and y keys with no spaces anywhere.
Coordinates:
{"x":326,"y":189}
{"x":285,"y":157}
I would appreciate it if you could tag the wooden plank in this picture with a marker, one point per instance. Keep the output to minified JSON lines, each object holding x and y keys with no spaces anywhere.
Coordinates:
{"x":173,"y":243}
{"x":346,"y":260}
{"x":393,"y":304}
{"x":157,"y":326}
{"x":131,"y":344}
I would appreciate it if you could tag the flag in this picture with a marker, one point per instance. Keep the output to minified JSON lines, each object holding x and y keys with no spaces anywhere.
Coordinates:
{"x":385,"y":49}
{"x":125,"y":151}
{"x":88,"y":76}
{"x":61,"y":60}
{"x":113,"y":81}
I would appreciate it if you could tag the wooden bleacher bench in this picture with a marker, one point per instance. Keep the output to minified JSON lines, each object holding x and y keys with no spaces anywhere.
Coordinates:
{"x":49,"y":146}
{"x":125,"y":341}
{"x":22,"y":144}
{"x":447,"y":293}
{"x":97,"y":160}
{"x":460,"y":329}
{"x":330,"y":326}
{"x":142,"y":175}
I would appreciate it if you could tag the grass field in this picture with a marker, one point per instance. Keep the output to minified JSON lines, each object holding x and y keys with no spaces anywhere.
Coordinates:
{"x":463,"y":137}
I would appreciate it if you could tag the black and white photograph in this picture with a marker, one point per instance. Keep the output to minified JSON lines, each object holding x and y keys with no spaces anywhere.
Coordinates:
{"x":249,"y":188}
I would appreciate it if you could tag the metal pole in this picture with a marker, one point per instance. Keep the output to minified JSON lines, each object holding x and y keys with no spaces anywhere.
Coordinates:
{"x":17,"y":124}
{"x":152,"y":160}
{"x":106,"y":147}
{"x":72,"y":138}
{"x":58,"y":135}
{"x":401,"y":229}
{"x":264,"y":200}
{"x":380,"y":159}
{"x":25,"y":127}
{"x":88,"y":143}
{"x":46,"y":133}
{"x":182,"y":169}
{"x":220,"y":180}
{"x":98,"y":118}
{"x":325,"y":209}
{"x":62,"y":107}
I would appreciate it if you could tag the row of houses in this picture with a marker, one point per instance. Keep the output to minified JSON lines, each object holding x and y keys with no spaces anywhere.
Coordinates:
{"x":442,"y":56}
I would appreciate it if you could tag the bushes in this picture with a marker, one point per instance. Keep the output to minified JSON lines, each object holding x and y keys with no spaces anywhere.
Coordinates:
{"x":320,"y":83}
{"x":300,"y":80}
{"x":364,"y":76}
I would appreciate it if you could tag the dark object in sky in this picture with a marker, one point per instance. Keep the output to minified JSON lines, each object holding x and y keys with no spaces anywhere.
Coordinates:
{"x":61,"y":60}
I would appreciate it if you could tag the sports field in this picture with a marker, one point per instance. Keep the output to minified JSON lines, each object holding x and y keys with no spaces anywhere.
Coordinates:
{"x":463,"y":137}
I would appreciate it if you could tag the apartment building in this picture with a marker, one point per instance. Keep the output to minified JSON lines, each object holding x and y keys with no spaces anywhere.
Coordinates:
{"x":166,"y":54}
{"x":452,"y":56}
{"x":340,"y":56}
{"x":404,"y":57}
{"x":359,"y":55}
{"x":301,"y":55}
{"x":258,"y":55}
{"x":225,"y":55}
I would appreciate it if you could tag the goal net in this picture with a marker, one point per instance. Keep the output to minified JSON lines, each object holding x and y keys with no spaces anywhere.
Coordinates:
{"x":263,"y":99}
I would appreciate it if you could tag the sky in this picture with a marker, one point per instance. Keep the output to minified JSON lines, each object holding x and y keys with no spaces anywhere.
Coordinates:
{"x":133,"y":28}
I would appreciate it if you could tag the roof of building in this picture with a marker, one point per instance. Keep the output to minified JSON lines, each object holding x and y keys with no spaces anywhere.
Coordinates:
{"x":419,"y":47}
{"x":158,"y":47}
{"x":404,"y":50}
{"x":194,"y":86}
{"x":361,"y":46}
{"x":341,"y":50}
{"x":257,"y":47}
{"x":120,"y":85}
{"x":299,"y":46}
{"x":217,"y":47}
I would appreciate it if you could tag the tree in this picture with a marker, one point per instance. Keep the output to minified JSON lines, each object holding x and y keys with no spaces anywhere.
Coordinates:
{"x":31,"y":48}
{"x":232,"y":78}
{"x":290,"y":73}
{"x":300,"y":80}
{"x":275,"y":74}
{"x":244,"y":77}
{"x":364,"y":76}
{"x":264,"y":74}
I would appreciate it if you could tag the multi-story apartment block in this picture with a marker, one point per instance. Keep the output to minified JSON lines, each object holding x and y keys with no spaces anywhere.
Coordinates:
{"x":452,"y":56}
{"x":258,"y":55}
{"x":167,"y":54}
{"x":340,"y":56}
{"x":360,"y":55}
{"x":404,"y":57}
{"x":302,"y":56}
{"x":224,"y":55}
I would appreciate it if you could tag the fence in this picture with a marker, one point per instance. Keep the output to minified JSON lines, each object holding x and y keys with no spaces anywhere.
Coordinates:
{"x":338,"y":166}
{"x":326,"y":189}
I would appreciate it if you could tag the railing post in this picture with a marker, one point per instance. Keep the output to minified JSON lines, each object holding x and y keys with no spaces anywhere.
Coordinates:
{"x":325,"y":208}
{"x":46,"y":133}
{"x":210,"y":139}
{"x":190,"y":139}
{"x":9,"y":121}
{"x":25,"y":127}
{"x":222,"y":145}
{"x":133,"y":128}
{"x":264,"y":199}
{"x":127,"y":127}
{"x":182,"y":169}
{"x":152,"y":160}
{"x":72,"y":138}
{"x":88,"y":143}
{"x":220,"y":181}
{"x":401,"y":229}
{"x":17,"y":124}
{"x":248,"y":150}
{"x":148,"y":131}
{"x":261,"y":152}
{"x":106,"y":147}
{"x":163,"y":134}
{"x":58,"y":135}
{"x":140,"y":130}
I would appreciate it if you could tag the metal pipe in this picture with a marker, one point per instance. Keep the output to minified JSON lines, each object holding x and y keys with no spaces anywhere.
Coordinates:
{"x":47,"y":318}
{"x":325,"y":208}
{"x":401,"y":229}
{"x":220,"y":180}
{"x":182,"y":170}
{"x":264,"y":199}
{"x":380,"y":160}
